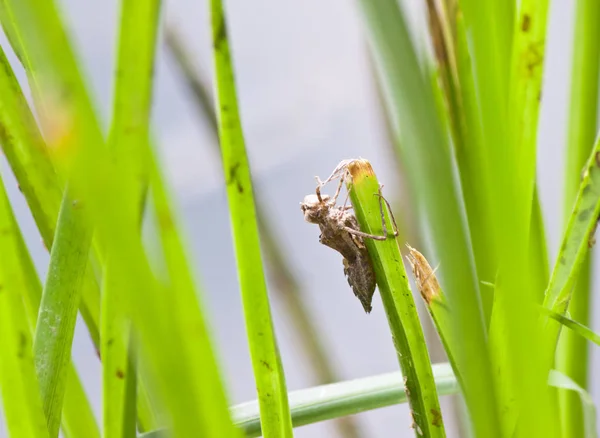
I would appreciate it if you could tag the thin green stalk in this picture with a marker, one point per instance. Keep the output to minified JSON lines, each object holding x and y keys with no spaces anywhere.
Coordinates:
{"x":26,"y":153}
{"x":42,"y":188}
{"x":77,"y":417}
{"x":266,"y":363}
{"x":538,"y":248}
{"x":471,"y":158}
{"x":572,"y":354}
{"x":525,"y":99}
{"x":285,"y":283}
{"x":22,"y":405}
{"x":58,"y":309}
{"x":107,"y":191}
{"x":29,"y":159}
{"x":335,"y":400}
{"x":398,"y":302}
{"x":522,"y":369}
{"x":576,"y":327}
{"x":588,"y":418}
{"x":426,"y":152}
{"x":116,"y":372}
{"x":577,"y":238}
{"x":128,"y":142}
{"x":351,"y":397}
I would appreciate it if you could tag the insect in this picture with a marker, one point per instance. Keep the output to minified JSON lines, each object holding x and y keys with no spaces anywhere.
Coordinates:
{"x":340,"y":231}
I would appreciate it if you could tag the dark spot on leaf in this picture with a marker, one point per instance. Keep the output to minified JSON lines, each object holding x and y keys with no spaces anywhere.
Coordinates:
{"x":584,"y":215}
{"x":563,"y":248}
{"x":586,"y":189}
{"x":597,"y":158}
{"x":220,"y":35}
{"x":22,"y":345}
{"x":19,"y":187}
{"x":110,"y":342}
{"x":534,"y":57}
{"x":120,"y":374}
{"x":437,"y":417}
{"x":234,"y":177}
{"x":224,"y":108}
{"x":526,"y":23}
{"x":4,"y":231}
{"x":266,"y":365}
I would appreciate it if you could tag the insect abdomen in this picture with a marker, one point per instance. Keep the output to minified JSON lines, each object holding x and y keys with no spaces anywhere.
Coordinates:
{"x":361,"y":278}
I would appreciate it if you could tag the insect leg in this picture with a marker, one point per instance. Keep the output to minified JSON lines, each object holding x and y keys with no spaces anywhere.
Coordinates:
{"x":385,"y":232}
{"x":361,"y":234}
{"x":339,"y":189}
{"x":381,"y":197}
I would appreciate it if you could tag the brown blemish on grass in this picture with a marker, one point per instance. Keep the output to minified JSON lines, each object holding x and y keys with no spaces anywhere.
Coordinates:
{"x":220,"y":35}
{"x":592,"y":238}
{"x":437,"y":417}
{"x":22,"y":345}
{"x":584,"y":215}
{"x":526,"y":23}
{"x":424,"y":275}
{"x":597,"y":156}
{"x":120,"y":374}
{"x":360,"y":169}
{"x":234,"y":177}
{"x":266,"y":365}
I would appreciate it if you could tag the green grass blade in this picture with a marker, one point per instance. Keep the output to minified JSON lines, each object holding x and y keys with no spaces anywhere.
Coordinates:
{"x":18,"y":383}
{"x":521,"y":366}
{"x":560,"y":380}
{"x":28,"y":156}
{"x":578,"y":329}
{"x":26,"y":153}
{"x":471,"y":156}
{"x":116,"y":372}
{"x":572,"y":355}
{"x":525,"y":99}
{"x":334,"y":400}
{"x":426,"y":154}
{"x":538,"y":246}
{"x":326,"y":402}
{"x":58,"y":309}
{"x":266,"y":363}
{"x":77,"y":417}
{"x":128,"y":142}
{"x":398,"y":302}
{"x":578,"y":236}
